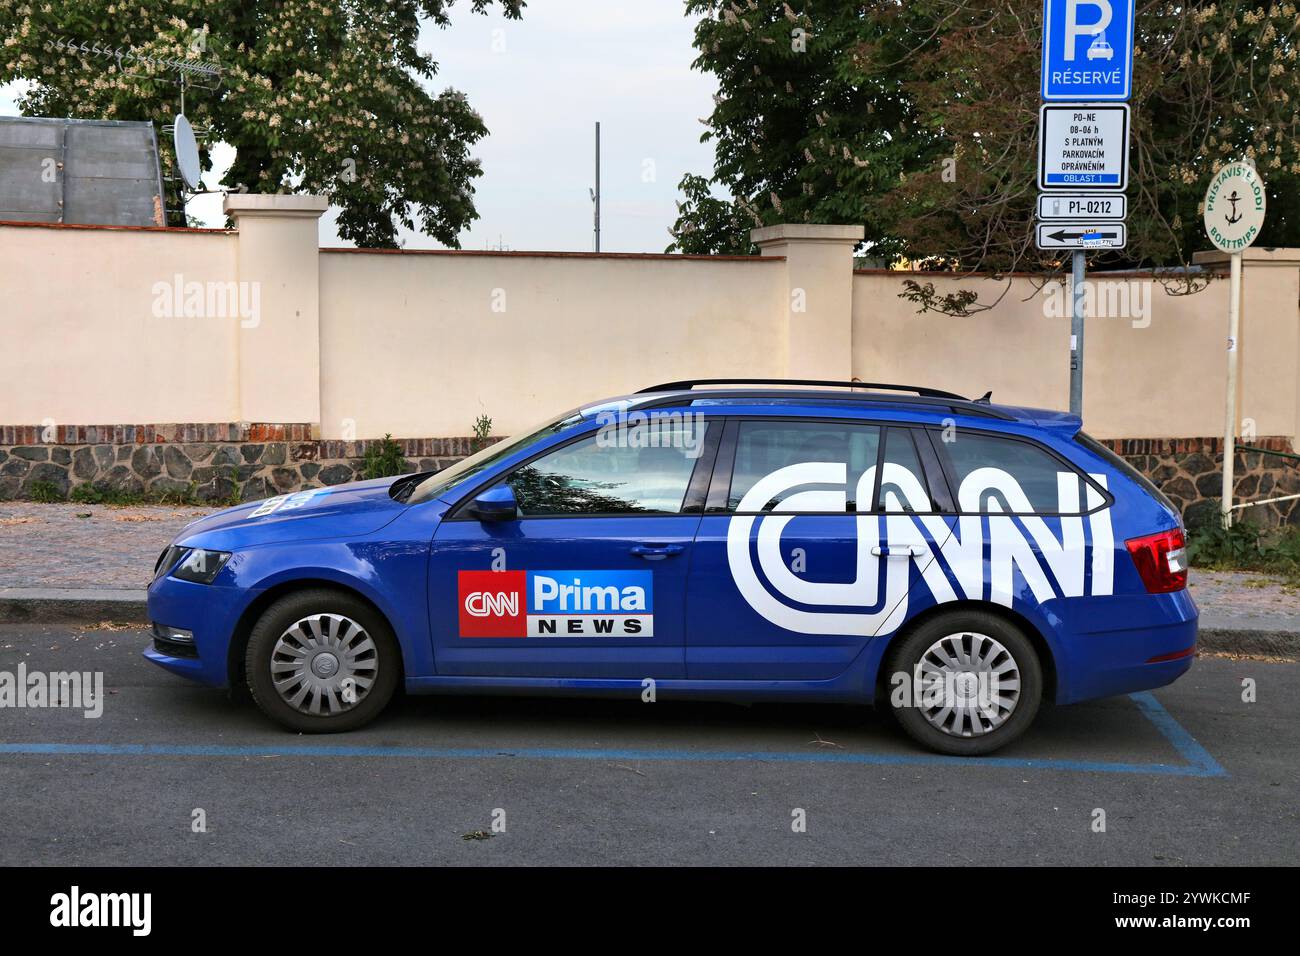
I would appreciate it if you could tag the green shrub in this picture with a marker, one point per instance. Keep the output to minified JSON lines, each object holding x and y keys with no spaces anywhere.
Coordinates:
{"x":1287,"y":547}
{"x":87,"y":494}
{"x":187,"y":497}
{"x":1244,"y":547}
{"x":482,"y":431}
{"x":90,"y":494}
{"x":1214,"y":546}
{"x":236,"y":493}
{"x":100,"y":495}
{"x":45,"y":491}
{"x":384,"y":459}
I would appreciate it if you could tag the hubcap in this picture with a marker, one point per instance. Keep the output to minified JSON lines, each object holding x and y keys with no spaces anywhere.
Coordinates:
{"x":324,"y":664}
{"x":968,"y":684}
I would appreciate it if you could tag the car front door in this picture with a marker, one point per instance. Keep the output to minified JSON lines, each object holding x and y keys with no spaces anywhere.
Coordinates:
{"x":588,"y":580}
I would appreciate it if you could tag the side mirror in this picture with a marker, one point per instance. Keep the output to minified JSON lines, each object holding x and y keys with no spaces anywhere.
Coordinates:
{"x":498,"y":503}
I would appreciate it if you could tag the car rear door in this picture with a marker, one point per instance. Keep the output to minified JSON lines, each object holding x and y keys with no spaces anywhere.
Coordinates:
{"x":807,"y":549}
{"x":589,"y":581}
{"x":1030,"y":526}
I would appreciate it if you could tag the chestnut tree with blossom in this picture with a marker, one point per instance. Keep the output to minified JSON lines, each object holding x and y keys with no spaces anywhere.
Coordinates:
{"x":318,"y":97}
{"x":920,"y":119}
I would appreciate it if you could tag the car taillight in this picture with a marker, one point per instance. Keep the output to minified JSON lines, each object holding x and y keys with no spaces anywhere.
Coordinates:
{"x":1161,"y":560}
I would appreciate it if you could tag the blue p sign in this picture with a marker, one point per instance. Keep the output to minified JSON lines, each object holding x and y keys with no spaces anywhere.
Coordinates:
{"x":1087,"y":49}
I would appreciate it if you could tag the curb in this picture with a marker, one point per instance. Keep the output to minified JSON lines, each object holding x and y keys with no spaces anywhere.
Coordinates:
{"x":1250,"y":641}
{"x":94,"y":605}
{"x":73,"y":605}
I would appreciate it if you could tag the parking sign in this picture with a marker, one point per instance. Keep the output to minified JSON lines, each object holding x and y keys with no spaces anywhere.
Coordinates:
{"x":1087,"y":49}
{"x":1083,"y":146}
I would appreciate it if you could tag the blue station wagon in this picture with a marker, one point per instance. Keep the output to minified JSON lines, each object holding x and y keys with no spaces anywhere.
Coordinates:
{"x":951,"y":560}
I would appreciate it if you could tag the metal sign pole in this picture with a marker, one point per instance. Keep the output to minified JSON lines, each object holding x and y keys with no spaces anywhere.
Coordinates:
{"x":596,"y":198}
{"x":1230,"y":416}
{"x":1235,"y":202}
{"x":1083,"y":144}
{"x":1076,"y":334}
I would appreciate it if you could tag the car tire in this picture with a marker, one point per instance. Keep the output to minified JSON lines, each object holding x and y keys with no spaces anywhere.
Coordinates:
{"x":954,"y":645}
{"x":306,"y":647}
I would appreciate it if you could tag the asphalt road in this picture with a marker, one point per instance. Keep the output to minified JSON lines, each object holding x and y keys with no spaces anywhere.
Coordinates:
{"x":1189,"y":775}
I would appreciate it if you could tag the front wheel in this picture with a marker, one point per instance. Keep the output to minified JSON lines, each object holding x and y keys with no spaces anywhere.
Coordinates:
{"x":321,"y":661}
{"x":965,"y":683}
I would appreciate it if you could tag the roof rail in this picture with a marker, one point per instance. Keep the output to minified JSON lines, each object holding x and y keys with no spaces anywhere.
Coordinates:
{"x":690,"y":383}
{"x":956,"y":405}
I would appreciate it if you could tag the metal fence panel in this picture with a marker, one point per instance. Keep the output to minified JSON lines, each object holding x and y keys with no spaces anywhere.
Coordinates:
{"x":79,"y":171}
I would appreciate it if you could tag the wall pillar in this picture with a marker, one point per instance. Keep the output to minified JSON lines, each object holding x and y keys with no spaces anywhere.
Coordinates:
{"x":818,"y":295}
{"x":279,"y":344}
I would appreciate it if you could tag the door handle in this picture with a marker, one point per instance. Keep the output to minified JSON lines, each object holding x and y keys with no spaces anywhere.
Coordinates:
{"x":657,"y":552}
{"x":905,"y":551}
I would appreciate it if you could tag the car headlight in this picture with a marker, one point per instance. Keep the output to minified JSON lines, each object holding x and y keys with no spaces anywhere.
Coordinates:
{"x":170,"y":555}
{"x":201,"y":566}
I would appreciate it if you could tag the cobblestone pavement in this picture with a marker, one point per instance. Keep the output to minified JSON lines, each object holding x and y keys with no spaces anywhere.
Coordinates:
{"x":85,"y":546}
{"x":1243,"y":599}
{"x":98,"y":546}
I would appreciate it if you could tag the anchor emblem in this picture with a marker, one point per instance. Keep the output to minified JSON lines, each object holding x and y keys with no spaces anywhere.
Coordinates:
{"x":1234,"y":216}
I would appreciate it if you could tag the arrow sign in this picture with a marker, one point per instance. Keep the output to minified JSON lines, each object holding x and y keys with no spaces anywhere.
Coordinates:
{"x":1099,"y":235}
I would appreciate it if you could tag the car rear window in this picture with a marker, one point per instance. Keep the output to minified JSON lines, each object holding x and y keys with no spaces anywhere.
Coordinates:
{"x":1124,"y":468}
{"x":995,"y":474}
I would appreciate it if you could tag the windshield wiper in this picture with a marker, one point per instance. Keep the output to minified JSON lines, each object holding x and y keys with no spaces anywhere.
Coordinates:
{"x":401,"y":489}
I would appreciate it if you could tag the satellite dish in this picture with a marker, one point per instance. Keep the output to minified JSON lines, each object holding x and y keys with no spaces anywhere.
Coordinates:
{"x":187,"y":151}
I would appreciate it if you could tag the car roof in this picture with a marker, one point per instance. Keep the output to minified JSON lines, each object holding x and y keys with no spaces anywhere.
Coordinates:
{"x":868,"y":397}
{"x":748,"y":401}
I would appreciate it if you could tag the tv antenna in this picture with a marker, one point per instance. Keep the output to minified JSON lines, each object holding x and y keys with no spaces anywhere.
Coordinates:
{"x":595,"y":193}
{"x":205,"y":75}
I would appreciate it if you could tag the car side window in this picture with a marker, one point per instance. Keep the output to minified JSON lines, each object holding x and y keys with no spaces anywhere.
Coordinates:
{"x":804,"y":466}
{"x":995,"y":474}
{"x":611,"y":473}
{"x":902,"y":482}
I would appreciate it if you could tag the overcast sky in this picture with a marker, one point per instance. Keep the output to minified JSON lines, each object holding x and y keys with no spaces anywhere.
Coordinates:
{"x":540,"y":84}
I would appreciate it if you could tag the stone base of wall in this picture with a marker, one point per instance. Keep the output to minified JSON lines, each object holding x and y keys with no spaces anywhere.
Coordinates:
{"x":246,"y":462}
{"x":1190,"y":472}
{"x":203,"y":462}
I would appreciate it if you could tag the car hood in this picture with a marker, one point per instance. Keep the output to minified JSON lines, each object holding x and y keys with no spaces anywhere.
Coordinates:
{"x":357,"y":508}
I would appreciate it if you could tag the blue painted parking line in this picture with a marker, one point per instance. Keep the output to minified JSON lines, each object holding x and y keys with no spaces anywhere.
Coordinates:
{"x":1177,"y":735}
{"x":1199,"y":762}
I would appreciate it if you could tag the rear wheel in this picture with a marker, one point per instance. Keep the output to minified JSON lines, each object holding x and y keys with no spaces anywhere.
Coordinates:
{"x":971,"y":683}
{"x":321,"y":661}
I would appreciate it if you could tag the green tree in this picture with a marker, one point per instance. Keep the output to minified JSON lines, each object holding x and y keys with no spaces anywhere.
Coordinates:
{"x":317,"y":97}
{"x":803,"y":130}
{"x":920,"y":120}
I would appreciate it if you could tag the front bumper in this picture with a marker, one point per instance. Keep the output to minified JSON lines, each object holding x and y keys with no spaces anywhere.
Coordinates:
{"x":208,"y":611}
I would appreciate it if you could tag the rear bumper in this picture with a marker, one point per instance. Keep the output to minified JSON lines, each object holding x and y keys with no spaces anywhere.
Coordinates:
{"x":1154,"y":646}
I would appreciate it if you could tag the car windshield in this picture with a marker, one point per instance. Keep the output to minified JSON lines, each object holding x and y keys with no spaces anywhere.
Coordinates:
{"x":439,"y":482}
{"x":484,"y":458}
